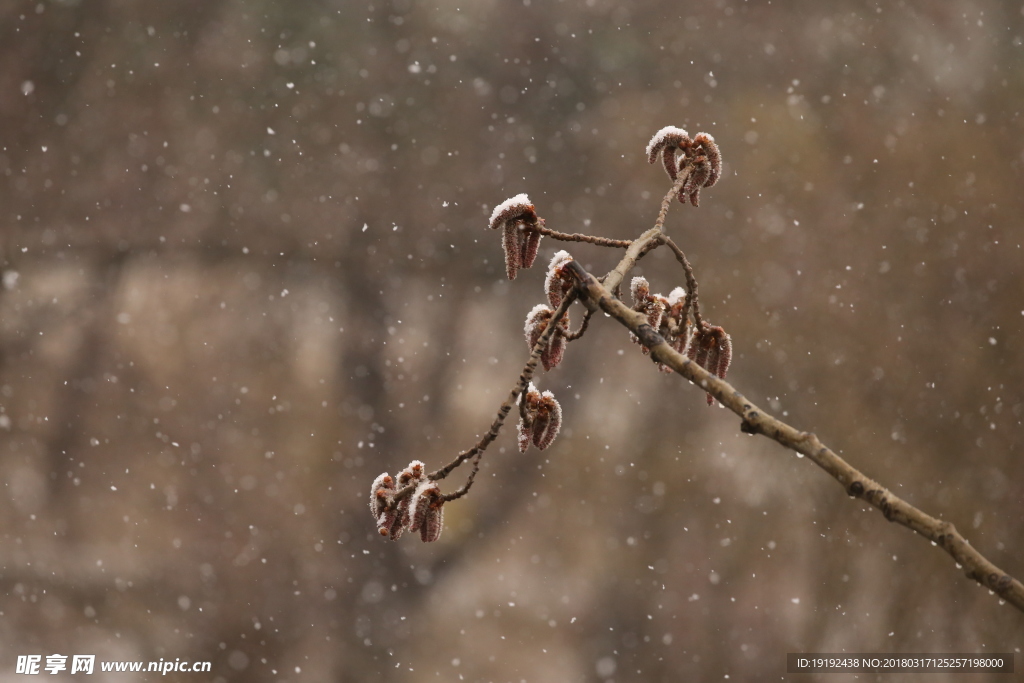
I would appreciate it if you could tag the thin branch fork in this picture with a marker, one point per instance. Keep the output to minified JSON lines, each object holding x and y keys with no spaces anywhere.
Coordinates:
{"x":691,"y":281}
{"x":524,"y":380}
{"x":757,"y":421}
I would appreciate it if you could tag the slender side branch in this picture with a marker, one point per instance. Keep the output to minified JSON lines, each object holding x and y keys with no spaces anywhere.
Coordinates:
{"x":464,"y":489}
{"x":503,"y":411}
{"x":638,"y":248}
{"x":681,"y":179}
{"x":647,"y":241}
{"x":573,"y":336}
{"x":691,"y":281}
{"x":580,"y":237}
{"x":756,"y":421}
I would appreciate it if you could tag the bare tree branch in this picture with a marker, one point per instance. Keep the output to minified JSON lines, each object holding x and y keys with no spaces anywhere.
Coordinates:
{"x":580,"y":237}
{"x":757,"y":421}
{"x":709,"y":354}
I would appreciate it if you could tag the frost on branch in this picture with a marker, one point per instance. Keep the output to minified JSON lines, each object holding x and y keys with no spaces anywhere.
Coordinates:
{"x":517,"y":220}
{"x":711,"y":348}
{"x":537,"y":321}
{"x":540,"y":419}
{"x":678,"y":152}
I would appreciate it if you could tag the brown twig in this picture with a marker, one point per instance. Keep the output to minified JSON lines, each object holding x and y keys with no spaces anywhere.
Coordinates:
{"x":672,"y":194}
{"x":580,"y":237}
{"x":464,"y":489}
{"x":756,"y":421}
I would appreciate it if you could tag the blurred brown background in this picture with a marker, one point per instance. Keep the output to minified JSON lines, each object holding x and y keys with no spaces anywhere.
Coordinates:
{"x":246,"y":269}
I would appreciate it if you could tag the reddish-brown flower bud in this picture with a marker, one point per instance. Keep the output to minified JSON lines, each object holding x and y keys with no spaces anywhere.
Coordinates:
{"x":548,"y":421}
{"x":524,"y":435}
{"x":397,"y":519}
{"x":678,"y":152}
{"x":427,"y":511}
{"x":651,"y":305}
{"x":676,"y":304}
{"x":706,"y":145}
{"x":667,"y":142}
{"x":382,"y":486}
{"x":640,"y":289}
{"x":518,"y":220}
{"x":558,"y":281}
{"x":541,"y":419}
{"x":380,"y":495}
{"x":699,"y":175}
{"x":711,"y":348}
{"x":555,"y":351}
{"x":513,"y":252}
{"x":412,"y":474}
{"x":536,"y":322}
{"x":530,"y":245}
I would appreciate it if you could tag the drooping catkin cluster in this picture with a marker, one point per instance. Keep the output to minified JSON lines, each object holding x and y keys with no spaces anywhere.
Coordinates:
{"x":711,"y":348}
{"x":413,"y":500}
{"x":676,"y":327}
{"x":557,"y":284}
{"x":699,"y":157}
{"x":651,"y":305}
{"x":540,"y":418}
{"x":667,"y":315}
{"x":520,"y":240}
{"x":540,"y":414}
{"x":421,"y":511}
{"x":537,"y":320}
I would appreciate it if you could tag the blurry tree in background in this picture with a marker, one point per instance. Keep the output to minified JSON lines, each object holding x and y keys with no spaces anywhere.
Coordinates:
{"x":246,"y":268}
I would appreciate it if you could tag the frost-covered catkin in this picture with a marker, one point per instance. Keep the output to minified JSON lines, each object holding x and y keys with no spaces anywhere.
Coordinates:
{"x":413,"y":474}
{"x":510,"y":245}
{"x":558,"y":282}
{"x":541,"y":419}
{"x":537,"y":321}
{"x":524,"y":435}
{"x":427,"y":511}
{"x":651,"y":305}
{"x":548,"y":422}
{"x":724,"y":356}
{"x":529,"y":246}
{"x":676,"y":301}
{"x":518,"y":221}
{"x":640,"y":289}
{"x":380,"y":495}
{"x":420,"y":510}
{"x":553,"y":354}
{"x":678,"y":152}
{"x":382,"y":484}
{"x":711,"y":348}
{"x":667,"y":142}
{"x":706,"y":144}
